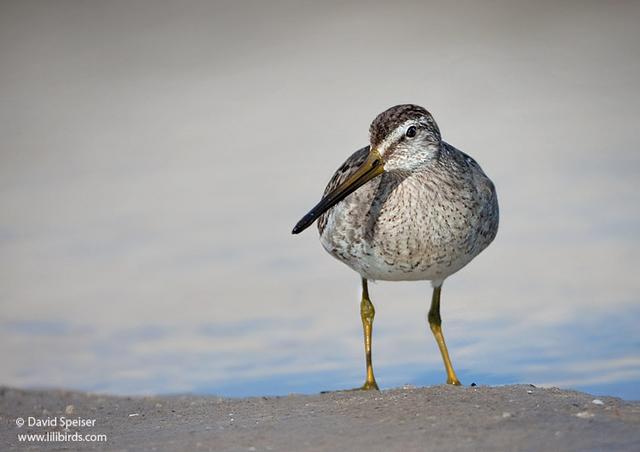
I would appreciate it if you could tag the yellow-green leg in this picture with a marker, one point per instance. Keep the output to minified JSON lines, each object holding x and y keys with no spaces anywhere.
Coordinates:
{"x":367,"y":312}
{"x":435,"y":322}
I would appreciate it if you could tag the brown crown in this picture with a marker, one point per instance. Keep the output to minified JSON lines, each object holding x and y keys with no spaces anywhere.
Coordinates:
{"x":388,"y":120}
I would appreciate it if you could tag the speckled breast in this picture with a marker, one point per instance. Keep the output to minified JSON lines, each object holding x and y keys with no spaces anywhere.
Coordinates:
{"x":404,"y":227}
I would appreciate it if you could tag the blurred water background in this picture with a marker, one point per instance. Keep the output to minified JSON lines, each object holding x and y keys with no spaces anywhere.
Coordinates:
{"x":155,"y":156}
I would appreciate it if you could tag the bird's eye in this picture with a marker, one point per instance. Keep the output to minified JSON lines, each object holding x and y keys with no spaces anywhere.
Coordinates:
{"x":411,"y":132}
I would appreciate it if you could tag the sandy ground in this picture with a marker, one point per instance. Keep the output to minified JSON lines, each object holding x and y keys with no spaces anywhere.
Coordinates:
{"x":435,"y":418}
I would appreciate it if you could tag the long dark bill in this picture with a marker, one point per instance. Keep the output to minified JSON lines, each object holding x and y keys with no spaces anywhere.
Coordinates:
{"x":371,"y":168}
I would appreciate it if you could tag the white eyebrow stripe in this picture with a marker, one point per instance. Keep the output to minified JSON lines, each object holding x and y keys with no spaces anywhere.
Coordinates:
{"x":398,"y":132}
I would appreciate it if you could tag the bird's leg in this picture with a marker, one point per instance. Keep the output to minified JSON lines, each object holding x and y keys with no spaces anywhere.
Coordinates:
{"x":367,"y":312}
{"x":435,"y":322}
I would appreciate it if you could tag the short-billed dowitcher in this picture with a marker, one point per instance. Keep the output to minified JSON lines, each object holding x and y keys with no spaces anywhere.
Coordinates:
{"x":407,"y":207}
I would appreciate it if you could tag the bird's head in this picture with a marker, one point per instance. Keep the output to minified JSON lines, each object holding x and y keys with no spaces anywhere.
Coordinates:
{"x":401,"y":139}
{"x":405,"y":137}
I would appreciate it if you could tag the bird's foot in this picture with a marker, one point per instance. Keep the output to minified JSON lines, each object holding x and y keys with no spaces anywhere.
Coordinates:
{"x":367,"y":386}
{"x":453,"y":381}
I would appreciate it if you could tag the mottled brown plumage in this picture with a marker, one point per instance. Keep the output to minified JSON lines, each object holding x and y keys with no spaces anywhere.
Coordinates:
{"x":390,"y":119}
{"x":346,"y":169}
{"x":422,"y":222}
{"x":424,"y":216}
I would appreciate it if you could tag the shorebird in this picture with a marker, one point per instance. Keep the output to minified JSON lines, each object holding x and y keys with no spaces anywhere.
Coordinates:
{"x":407,"y":207}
